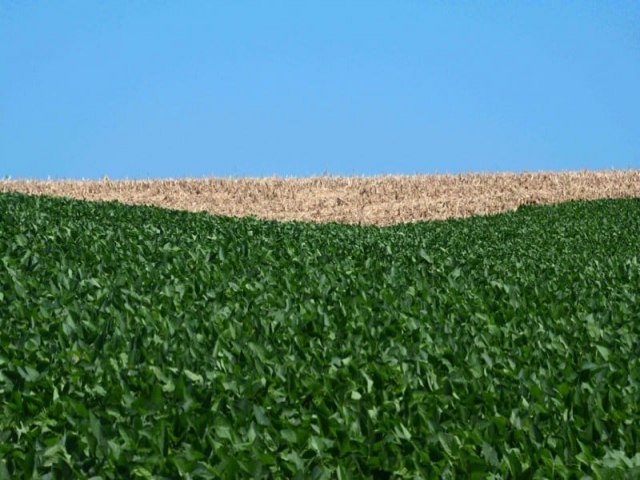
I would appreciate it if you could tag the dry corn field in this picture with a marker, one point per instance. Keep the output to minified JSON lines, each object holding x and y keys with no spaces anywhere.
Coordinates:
{"x":382,"y":200}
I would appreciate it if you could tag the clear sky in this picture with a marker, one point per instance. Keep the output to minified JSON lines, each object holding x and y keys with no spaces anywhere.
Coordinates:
{"x":151,"y":88}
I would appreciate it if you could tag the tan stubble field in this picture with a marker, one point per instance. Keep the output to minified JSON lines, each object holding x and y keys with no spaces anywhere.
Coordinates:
{"x":381,"y":200}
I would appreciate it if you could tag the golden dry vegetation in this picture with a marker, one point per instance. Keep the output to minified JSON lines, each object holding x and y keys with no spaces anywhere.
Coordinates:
{"x":382,"y":200}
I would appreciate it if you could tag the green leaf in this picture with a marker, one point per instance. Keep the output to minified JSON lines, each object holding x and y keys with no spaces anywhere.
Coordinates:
{"x":194,"y":377}
{"x":604,"y":352}
{"x":30,"y":374}
{"x":490,"y":455}
{"x":260,"y":415}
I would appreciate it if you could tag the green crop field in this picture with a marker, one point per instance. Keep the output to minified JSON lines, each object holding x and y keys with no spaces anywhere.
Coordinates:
{"x":141,"y":342}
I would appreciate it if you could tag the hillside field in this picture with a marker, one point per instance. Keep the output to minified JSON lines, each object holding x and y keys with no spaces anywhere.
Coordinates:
{"x":140,"y":342}
{"x":382,"y":200}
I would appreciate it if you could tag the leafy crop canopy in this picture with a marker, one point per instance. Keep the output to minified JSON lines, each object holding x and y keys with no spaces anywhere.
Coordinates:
{"x":140,"y":342}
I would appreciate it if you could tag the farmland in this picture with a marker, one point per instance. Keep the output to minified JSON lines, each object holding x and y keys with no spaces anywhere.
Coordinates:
{"x":142,"y":342}
{"x":383,"y":200}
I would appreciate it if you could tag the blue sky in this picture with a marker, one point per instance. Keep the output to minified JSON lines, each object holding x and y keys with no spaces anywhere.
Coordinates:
{"x":138,"y":89}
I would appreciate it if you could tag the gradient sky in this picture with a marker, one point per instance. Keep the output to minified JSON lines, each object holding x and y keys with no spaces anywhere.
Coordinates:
{"x":137,"y":89}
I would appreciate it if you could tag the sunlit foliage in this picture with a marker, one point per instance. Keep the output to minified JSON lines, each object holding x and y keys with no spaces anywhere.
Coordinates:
{"x":141,"y":342}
